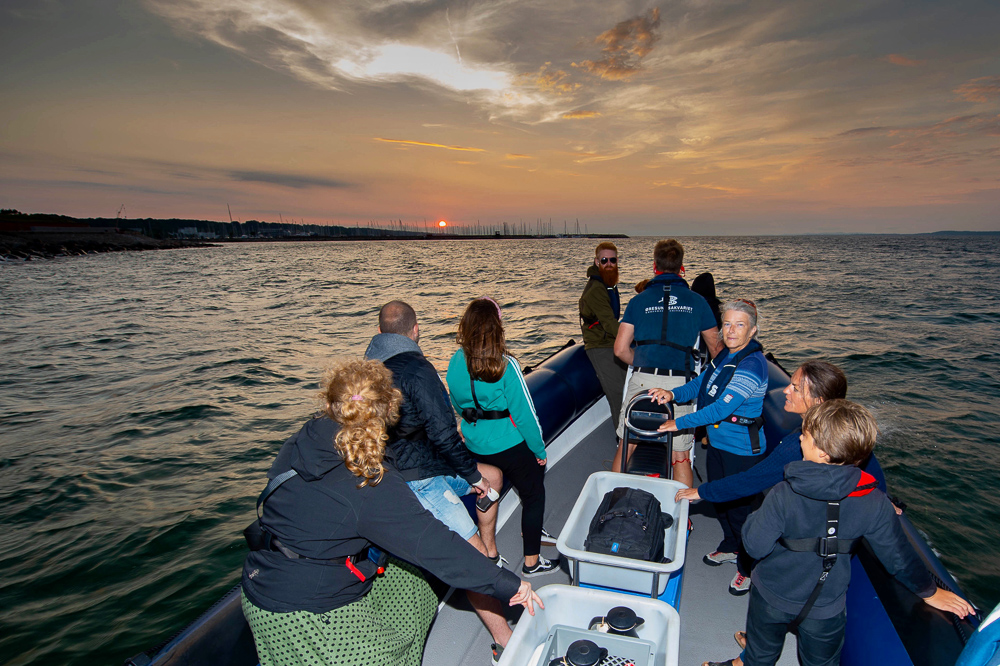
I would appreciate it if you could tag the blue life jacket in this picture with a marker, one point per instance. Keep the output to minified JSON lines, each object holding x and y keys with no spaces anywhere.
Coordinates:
{"x":711,"y":390}
{"x":682,"y":328}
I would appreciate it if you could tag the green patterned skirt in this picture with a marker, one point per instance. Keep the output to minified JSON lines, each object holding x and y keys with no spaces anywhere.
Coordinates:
{"x":387,"y":627}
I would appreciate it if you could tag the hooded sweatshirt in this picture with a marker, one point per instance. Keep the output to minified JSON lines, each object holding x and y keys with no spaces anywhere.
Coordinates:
{"x":425,"y":442}
{"x":322,"y":514}
{"x":796,"y":509}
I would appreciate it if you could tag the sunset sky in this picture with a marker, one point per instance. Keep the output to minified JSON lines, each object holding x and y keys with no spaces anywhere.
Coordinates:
{"x":696,"y":117}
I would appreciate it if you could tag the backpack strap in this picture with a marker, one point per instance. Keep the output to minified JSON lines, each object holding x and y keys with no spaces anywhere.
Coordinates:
{"x":373,"y":559}
{"x":828,"y":548}
{"x":477,"y":413}
{"x":272,"y":485}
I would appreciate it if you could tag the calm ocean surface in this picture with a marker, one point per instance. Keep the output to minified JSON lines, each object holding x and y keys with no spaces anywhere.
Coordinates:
{"x":143,"y":395}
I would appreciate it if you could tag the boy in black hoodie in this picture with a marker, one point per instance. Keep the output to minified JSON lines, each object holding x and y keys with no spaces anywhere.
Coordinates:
{"x":837,"y":435}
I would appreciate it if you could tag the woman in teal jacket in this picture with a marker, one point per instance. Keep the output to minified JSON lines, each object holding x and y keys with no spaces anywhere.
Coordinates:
{"x":499,"y":423}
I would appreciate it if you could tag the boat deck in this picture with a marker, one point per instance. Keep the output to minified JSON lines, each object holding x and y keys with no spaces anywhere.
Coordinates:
{"x":709,"y":614}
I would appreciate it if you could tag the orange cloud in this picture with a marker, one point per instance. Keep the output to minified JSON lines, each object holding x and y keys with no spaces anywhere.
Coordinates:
{"x":555,"y":81}
{"x":903,"y":61}
{"x":699,"y":186}
{"x":515,"y":156}
{"x":580,"y":115}
{"x":430,"y":145}
{"x":625,"y":46}
{"x":981,"y":89}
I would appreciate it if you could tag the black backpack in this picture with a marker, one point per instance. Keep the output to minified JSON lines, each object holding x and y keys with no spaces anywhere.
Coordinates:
{"x":629,"y":523}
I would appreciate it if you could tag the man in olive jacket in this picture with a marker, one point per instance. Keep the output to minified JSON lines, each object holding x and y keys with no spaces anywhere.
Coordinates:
{"x":600,"y":308}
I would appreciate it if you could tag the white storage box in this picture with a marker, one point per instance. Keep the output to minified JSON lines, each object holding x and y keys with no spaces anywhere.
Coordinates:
{"x":576,"y":607}
{"x":623,"y":573}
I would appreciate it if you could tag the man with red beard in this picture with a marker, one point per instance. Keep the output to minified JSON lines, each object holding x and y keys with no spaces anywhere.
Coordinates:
{"x":600,"y":307}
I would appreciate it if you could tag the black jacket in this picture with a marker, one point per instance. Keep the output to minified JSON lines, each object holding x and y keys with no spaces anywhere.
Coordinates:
{"x":796,"y":509}
{"x":425,"y":442}
{"x":322,"y":514}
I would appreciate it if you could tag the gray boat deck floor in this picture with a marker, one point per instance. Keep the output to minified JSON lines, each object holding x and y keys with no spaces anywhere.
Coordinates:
{"x":709,"y":614}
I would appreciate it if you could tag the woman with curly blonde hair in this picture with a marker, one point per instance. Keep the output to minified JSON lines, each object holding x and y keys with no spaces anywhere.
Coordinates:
{"x":362,"y":399}
{"x":317,"y":589}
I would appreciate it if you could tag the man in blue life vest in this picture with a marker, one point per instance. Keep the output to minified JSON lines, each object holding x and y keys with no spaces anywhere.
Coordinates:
{"x":664,"y":355}
{"x":600,"y":309}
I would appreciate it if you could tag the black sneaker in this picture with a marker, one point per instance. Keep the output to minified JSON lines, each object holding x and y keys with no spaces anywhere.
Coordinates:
{"x":543,"y":566}
{"x":497,"y":653}
{"x":499,"y":560}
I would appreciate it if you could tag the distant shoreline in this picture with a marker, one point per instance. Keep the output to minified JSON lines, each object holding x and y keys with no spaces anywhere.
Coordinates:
{"x":33,"y":246}
{"x":16,"y":246}
{"x":29,"y":236}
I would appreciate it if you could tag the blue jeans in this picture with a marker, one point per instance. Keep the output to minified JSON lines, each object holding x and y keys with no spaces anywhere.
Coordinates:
{"x":820,"y":641}
{"x":442,"y":496}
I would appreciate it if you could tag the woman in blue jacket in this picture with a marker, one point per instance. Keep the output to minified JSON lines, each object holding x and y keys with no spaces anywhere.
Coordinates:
{"x":814,"y":382}
{"x":730,"y":398}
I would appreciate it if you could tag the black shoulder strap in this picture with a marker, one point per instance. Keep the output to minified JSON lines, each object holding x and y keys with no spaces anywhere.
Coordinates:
{"x":828,"y":549}
{"x":690,"y":353}
{"x":665,"y":321}
{"x":272,"y":485}
{"x":478,"y":413}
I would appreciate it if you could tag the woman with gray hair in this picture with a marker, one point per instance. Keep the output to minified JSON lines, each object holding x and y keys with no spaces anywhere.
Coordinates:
{"x":730,"y":398}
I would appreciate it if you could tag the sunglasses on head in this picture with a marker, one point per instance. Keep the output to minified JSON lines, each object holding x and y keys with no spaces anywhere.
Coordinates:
{"x":613,"y":260}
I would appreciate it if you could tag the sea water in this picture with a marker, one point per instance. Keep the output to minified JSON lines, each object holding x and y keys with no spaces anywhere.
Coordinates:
{"x":144,"y":395}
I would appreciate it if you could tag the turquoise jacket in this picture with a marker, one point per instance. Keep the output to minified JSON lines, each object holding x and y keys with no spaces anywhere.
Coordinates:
{"x":511,"y":393}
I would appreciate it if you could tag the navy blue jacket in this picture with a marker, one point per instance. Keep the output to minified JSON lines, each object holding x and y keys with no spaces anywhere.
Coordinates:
{"x":425,"y":442}
{"x":796,"y":509}
{"x":322,"y":514}
{"x":771,"y":471}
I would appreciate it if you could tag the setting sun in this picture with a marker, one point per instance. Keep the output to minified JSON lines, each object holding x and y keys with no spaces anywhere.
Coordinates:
{"x":442,"y":224}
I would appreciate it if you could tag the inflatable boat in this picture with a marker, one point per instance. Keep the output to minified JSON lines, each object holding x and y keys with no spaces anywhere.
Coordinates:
{"x":886,"y":623}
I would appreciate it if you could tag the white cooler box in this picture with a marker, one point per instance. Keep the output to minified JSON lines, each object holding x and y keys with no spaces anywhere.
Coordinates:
{"x":636,"y":576}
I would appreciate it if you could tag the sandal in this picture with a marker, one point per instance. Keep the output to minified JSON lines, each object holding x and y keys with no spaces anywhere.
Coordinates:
{"x":727,"y":662}
{"x":741,"y":639}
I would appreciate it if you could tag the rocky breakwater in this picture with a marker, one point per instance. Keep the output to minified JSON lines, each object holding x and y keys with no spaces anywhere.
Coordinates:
{"x":32,"y":246}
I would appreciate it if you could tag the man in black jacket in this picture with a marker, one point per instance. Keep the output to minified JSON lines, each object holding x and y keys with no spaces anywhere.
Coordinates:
{"x":429,"y":452}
